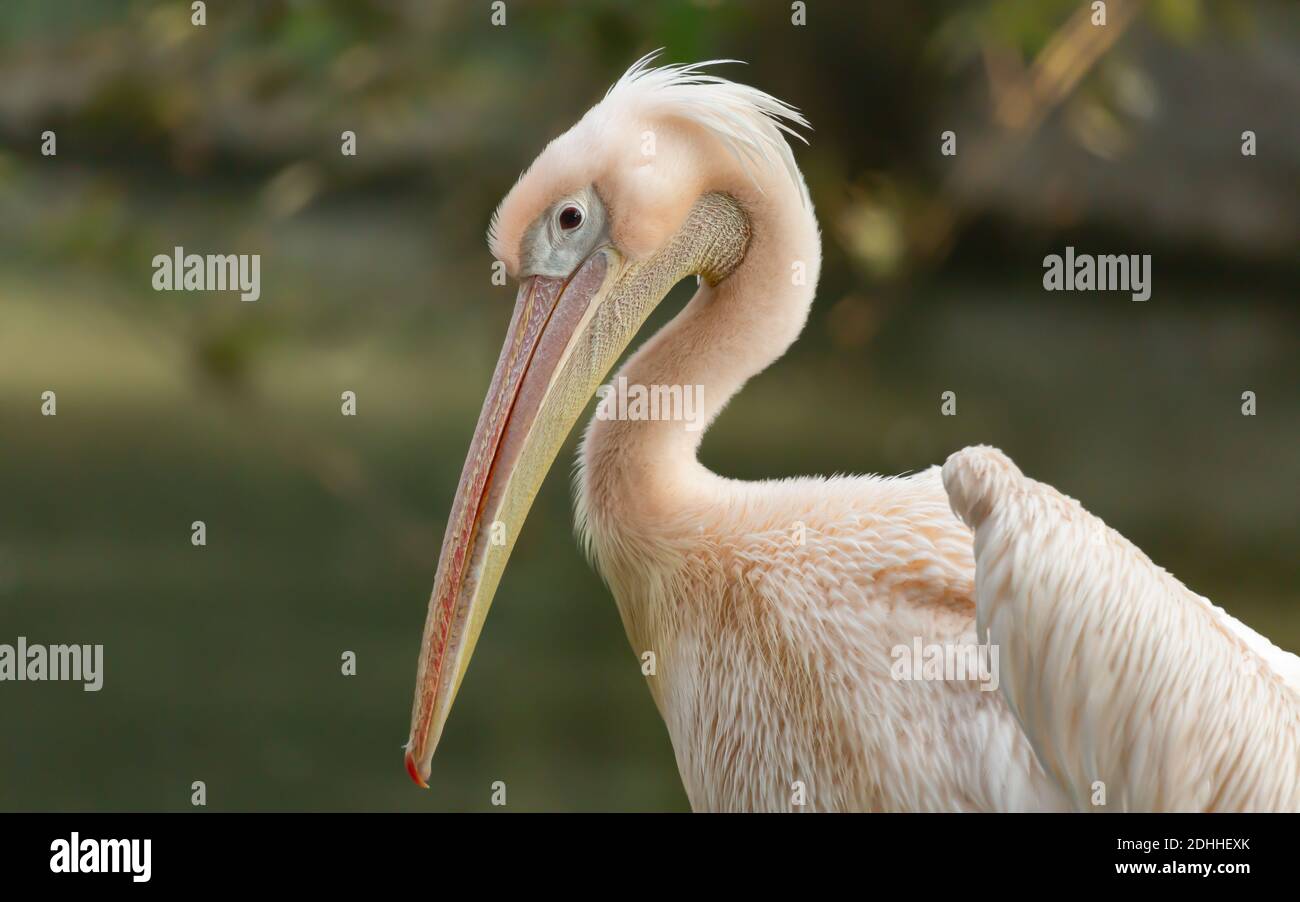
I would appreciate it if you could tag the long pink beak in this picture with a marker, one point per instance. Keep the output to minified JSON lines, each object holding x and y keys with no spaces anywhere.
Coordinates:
{"x":548,"y":313}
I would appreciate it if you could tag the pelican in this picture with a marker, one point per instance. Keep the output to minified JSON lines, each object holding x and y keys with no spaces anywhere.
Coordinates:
{"x":774,"y":612}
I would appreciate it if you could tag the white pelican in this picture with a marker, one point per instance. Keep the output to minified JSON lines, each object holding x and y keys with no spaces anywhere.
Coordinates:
{"x":775,"y":610}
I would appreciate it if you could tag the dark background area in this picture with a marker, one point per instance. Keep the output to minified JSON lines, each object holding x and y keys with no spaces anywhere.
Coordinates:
{"x":223,"y":662}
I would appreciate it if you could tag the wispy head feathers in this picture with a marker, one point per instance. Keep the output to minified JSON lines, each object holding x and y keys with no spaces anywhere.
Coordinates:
{"x":749,"y":122}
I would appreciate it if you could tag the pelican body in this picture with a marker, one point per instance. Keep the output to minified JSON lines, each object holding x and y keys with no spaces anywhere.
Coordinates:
{"x":775,"y":611}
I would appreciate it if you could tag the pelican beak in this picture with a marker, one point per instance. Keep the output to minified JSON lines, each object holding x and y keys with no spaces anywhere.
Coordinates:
{"x":565,"y":337}
{"x":528,"y":413}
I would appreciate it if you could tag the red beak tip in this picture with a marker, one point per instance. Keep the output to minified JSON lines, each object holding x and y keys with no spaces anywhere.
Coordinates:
{"x":413,"y":769}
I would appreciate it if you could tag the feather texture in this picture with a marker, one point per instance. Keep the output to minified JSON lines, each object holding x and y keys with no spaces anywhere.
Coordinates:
{"x":1126,"y":682}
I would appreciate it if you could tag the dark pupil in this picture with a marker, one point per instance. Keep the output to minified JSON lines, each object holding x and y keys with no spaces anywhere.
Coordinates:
{"x":570,"y":218}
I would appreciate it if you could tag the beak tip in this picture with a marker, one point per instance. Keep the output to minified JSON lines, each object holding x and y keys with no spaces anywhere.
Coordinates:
{"x":414,"y":770}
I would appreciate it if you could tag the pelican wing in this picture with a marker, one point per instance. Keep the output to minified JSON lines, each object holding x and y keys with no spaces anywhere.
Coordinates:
{"x":1135,"y":692}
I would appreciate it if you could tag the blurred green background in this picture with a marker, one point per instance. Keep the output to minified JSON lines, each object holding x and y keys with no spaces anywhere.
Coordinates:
{"x":223,"y":662}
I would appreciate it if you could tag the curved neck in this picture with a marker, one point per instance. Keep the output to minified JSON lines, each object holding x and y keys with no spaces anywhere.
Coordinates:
{"x":726,"y":334}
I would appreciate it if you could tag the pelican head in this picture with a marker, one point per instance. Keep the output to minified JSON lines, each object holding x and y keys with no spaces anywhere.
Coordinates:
{"x":645,"y":190}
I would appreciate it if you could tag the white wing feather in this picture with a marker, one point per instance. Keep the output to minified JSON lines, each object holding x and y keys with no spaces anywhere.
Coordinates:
{"x":1124,"y":680}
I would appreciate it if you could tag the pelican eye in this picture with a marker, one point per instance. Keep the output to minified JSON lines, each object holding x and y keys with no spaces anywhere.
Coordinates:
{"x":570,"y":217}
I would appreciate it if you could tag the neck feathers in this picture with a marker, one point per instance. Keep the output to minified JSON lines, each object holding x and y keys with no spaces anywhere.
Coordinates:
{"x":726,"y":334}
